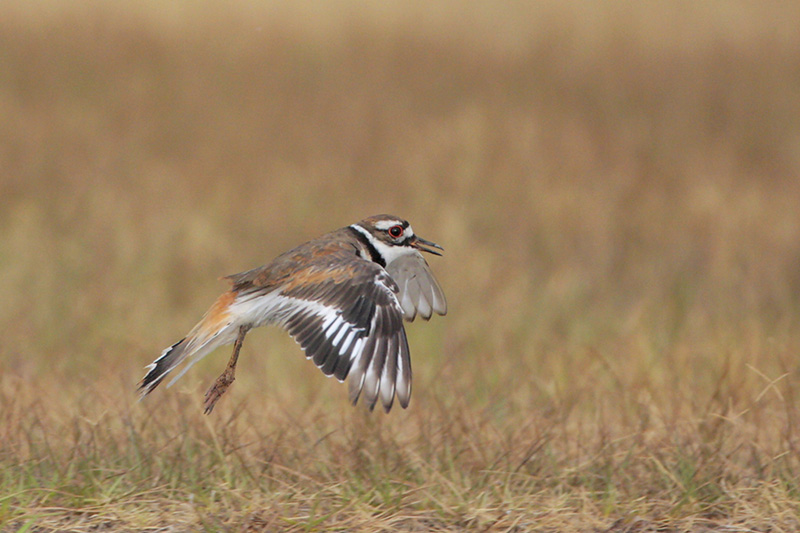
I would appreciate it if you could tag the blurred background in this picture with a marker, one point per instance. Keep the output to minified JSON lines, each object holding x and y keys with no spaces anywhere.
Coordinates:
{"x":616,"y":187}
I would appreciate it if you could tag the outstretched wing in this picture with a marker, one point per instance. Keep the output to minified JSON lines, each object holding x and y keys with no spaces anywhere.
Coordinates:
{"x":347,"y":318}
{"x":419,"y":292}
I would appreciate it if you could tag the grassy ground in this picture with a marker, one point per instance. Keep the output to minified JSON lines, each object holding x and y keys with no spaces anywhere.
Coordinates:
{"x":616,"y":186}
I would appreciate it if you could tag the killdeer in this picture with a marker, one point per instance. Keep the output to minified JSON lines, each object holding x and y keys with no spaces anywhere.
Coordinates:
{"x":342,"y":297}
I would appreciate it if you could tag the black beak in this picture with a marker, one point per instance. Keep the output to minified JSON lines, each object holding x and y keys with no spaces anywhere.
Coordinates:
{"x":420,"y":244}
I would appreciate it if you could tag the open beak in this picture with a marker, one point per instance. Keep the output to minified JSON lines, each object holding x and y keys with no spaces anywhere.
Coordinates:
{"x":420,"y":244}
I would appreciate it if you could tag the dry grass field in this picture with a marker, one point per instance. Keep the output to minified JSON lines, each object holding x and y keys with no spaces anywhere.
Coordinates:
{"x":616,"y":185}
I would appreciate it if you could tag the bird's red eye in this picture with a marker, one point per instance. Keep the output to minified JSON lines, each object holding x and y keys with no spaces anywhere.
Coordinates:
{"x":396,"y":231}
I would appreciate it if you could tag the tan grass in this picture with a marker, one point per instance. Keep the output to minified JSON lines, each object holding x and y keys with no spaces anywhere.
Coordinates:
{"x":617,"y":190}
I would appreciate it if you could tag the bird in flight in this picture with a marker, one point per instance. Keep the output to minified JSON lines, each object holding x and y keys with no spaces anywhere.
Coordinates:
{"x":342,"y":297}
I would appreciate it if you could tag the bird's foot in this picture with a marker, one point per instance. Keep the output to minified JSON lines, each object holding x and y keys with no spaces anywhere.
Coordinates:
{"x":215,"y":392}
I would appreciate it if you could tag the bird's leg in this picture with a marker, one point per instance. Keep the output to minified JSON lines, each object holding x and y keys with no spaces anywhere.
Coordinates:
{"x":226,"y":378}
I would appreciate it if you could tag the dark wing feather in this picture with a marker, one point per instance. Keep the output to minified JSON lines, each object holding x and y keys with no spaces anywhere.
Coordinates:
{"x":346,"y":316}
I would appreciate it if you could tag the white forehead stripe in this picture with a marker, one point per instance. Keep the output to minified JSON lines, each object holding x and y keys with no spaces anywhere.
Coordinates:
{"x":386,"y":224}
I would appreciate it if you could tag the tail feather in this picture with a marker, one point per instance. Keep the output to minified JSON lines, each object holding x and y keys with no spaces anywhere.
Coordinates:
{"x":192,"y":348}
{"x":216,"y":329}
{"x":158,"y":369}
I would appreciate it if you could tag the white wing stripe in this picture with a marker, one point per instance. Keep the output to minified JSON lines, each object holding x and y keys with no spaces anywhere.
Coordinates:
{"x":349,"y":339}
{"x":343,"y":329}
{"x":341,"y":347}
{"x":358,"y":349}
{"x":343,"y":335}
